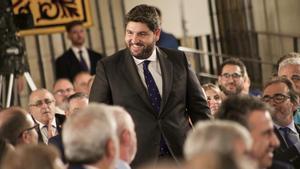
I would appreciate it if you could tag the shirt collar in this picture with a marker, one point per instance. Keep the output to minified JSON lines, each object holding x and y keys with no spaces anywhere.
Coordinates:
{"x":291,"y":126}
{"x":76,"y":49}
{"x":121,"y":164}
{"x":152,"y":58}
{"x":41,"y":125}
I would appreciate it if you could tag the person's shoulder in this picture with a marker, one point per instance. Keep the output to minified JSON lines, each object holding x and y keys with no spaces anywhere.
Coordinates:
{"x":280,"y":165}
{"x":64,"y":55}
{"x":55,"y":139}
{"x":116,"y":57}
{"x":172,"y":52}
{"x":95,"y":53}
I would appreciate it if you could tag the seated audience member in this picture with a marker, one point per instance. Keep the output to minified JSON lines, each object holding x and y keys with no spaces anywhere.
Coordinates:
{"x":255,"y":116}
{"x":42,"y":109}
{"x":81,"y":82}
{"x":232,"y":77}
{"x":17,"y":127}
{"x":289,"y":67}
{"x":77,"y":58}
{"x":62,"y":89}
{"x":33,"y":157}
{"x":214,"y":97}
{"x":127,"y":136}
{"x":84,"y":145}
{"x":225,"y":137}
{"x":280,"y":94}
{"x":76,"y":102}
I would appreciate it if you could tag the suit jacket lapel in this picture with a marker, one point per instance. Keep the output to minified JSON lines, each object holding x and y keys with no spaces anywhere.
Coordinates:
{"x":167,"y":76}
{"x":283,"y":145}
{"x":131,"y":73}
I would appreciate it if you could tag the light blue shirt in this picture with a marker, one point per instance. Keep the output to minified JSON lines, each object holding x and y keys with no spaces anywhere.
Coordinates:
{"x":122,"y":165}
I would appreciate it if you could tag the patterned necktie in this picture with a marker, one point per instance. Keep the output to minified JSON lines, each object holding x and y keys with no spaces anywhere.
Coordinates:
{"x":47,"y":132}
{"x":155,"y":100}
{"x":82,"y":62}
{"x":152,"y":87}
{"x":286,"y":135}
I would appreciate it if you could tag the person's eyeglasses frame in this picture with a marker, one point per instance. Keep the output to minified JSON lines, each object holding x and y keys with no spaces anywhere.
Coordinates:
{"x":269,"y":98}
{"x":234,"y":76}
{"x":28,"y":129}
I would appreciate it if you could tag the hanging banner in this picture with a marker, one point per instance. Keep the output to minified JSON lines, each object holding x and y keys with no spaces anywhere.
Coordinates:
{"x":49,"y":16}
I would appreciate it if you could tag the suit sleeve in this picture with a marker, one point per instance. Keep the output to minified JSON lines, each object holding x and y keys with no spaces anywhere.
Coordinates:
{"x":100,"y":91}
{"x":197,"y":107}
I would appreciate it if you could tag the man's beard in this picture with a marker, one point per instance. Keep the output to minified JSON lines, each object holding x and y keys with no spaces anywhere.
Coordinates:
{"x":145,"y":53}
{"x":230,"y":93}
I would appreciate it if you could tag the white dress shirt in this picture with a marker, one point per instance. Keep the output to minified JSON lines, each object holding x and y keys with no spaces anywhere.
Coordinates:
{"x":85,"y":55}
{"x":154,"y":68}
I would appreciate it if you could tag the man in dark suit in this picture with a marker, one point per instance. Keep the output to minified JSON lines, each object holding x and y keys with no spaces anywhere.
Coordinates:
{"x":155,"y":85}
{"x":78,"y":58}
{"x":280,"y":94}
{"x":255,"y":115}
{"x":76,"y":102}
{"x":42,"y":109}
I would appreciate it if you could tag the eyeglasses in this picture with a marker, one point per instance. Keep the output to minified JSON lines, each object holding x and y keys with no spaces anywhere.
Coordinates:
{"x":28,"y":129}
{"x":39,"y":103}
{"x":295,"y":78}
{"x":233,"y":75}
{"x":277,"y":98}
{"x":62,"y":92}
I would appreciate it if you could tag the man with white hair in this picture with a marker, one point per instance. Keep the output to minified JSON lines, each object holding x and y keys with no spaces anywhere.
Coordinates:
{"x":289,"y":67}
{"x":223,"y":137}
{"x":127,"y":137}
{"x":84,"y":144}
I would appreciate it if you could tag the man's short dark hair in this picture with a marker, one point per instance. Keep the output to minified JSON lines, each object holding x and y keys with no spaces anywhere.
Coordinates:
{"x":145,"y":14}
{"x":72,"y":24}
{"x":233,"y":61}
{"x":238,"y":108}
{"x":77,"y":96}
{"x":158,"y":11}
{"x":292,"y":93}
{"x":15,"y":124}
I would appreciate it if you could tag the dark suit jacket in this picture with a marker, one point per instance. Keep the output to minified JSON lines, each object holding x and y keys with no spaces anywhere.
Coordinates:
{"x":117,"y":82}
{"x":67,"y":65}
{"x":57,"y":142}
{"x":59,"y":118}
{"x":280,"y":165}
{"x":167,"y":40}
{"x":287,"y":154}
{"x":75,"y":166}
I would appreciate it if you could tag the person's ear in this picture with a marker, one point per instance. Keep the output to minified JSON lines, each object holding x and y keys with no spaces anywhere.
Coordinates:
{"x":157,"y":34}
{"x":111,"y":149}
{"x":125,"y":137}
{"x":25,"y":136}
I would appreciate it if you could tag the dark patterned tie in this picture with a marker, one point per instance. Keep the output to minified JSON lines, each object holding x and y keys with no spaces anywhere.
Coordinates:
{"x":286,"y":135}
{"x":155,"y":100}
{"x":82,"y":62}
{"x":152,"y":87}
